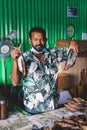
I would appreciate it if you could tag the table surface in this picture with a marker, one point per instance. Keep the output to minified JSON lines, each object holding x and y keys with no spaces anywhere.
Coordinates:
{"x":21,"y":120}
{"x":18,"y":119}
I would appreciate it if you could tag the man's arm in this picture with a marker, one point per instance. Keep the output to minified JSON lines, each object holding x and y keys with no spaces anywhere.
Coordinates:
{"x":73,"y":45}
{"x":15,"y":77}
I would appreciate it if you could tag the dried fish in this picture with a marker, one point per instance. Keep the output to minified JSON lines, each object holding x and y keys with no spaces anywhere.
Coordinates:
{"x":71,"y":59}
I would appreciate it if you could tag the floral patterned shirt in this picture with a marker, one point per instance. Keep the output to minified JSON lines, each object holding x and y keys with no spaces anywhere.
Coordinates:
{"x":40,"y":84}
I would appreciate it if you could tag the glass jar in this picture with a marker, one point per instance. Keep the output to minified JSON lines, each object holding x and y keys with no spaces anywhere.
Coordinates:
{"x":3,"y":109}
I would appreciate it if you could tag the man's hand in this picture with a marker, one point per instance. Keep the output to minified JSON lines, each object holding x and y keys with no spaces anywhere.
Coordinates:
{"x":73,"y":45}
{"x":72,"y":55}
{"x":15,"y":53}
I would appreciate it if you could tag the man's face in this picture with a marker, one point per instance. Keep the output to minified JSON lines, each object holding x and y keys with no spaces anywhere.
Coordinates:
{"x":38,"y":41}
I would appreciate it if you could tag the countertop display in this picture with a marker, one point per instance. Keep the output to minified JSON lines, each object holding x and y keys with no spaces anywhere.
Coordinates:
{"x":18,"y":119}
{"x":22,"y":121}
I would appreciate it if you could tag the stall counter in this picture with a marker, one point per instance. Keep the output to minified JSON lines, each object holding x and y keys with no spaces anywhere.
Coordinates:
{"x":21,"y":120}
{"x":18,"y":119}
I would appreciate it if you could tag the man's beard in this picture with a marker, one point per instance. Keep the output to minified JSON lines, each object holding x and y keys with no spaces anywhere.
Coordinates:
{"x":39,"y":50}
{"x":39,"y":47}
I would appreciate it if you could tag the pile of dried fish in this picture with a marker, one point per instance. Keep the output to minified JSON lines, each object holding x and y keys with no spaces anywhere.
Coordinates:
{"x":76,"y":104}
{"x":72,"y":123}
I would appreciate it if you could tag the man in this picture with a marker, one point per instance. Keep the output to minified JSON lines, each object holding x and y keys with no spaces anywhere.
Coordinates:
{"x":37,"y":69}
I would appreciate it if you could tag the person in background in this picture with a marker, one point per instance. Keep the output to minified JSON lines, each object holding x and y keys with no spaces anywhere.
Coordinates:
{"x":37,"y":70}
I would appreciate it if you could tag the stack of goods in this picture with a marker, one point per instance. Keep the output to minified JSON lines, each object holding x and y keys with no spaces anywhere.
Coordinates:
{"x":71,"y":123}
{"x":74,"y":122}
{"x":76,"y":104}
